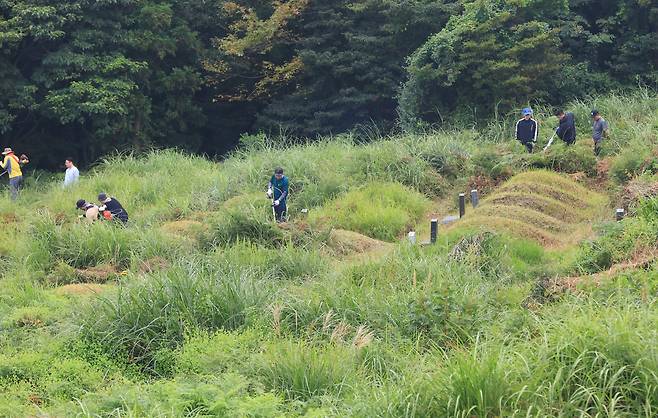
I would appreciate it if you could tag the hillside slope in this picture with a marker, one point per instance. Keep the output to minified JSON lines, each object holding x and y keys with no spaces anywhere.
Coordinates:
{"x":537,"y":303}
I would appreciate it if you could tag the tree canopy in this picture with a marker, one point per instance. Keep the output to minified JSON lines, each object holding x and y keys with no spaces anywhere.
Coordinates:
{"x":82,"y":78}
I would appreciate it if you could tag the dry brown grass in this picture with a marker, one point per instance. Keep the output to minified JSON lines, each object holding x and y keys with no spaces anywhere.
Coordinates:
{"x":97,"y":274}
{"x":546,"y":207}
{"x":153,"y":264}
{"x":349,"y":244}
{"x":641,"y":259}
{"x":636,"y":190}
{"x":83,"y":289}
{"x":184,"y":227}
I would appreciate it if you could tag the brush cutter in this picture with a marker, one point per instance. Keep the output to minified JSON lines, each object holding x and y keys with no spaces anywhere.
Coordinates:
{"x":273,"y":211}
{"x":274,"y":200}
{"x":550,"y":141}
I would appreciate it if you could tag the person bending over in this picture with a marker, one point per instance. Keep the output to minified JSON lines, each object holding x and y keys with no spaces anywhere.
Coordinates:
{"x":111,"y":208}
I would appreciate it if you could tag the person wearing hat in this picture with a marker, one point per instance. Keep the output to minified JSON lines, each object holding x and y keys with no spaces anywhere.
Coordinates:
{"x":599,"y":131}
{"x":12,"y":166}
{"x":527,"y":129}
{"x":566,"y":130}
{"x":91,"y":211}
{"x":111,"y":208}
{"x":277,"y":190}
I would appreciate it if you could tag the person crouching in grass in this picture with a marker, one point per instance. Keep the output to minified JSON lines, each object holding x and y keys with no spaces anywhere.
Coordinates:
{"x":111,"y":209}
{"x":91,"y":211}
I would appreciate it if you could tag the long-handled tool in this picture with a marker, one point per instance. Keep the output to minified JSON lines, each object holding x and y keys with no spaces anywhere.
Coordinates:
{"x":550,"y":141}
{"x":274,"y":200}
{"x":273,"y":210}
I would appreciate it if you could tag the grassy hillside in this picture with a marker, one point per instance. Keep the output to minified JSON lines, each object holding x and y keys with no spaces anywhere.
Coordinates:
{"x":537,"y":303}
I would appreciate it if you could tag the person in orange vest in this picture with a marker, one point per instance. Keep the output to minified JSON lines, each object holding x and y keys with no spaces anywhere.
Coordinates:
{"x":11,"y":165}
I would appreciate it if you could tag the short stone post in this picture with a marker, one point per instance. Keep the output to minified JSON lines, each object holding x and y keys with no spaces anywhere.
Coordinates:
{"x":619,"y":214}
{"x":475,"y":198}
{"x":412,"y":237}
{"x":434,"y":230}
{"x":462,"y":204}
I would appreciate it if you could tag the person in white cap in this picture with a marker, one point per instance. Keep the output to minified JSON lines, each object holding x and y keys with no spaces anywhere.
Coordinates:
{"x":11,"y":165}
{"x":526,"y":130}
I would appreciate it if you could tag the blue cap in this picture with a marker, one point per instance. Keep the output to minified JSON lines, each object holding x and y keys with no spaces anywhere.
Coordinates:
{"x":527,"y":111}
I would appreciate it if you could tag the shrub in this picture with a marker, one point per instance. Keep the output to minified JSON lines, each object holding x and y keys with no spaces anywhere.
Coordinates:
{"x":158,"y":312}
{"x":633,"y":161}
{"x":82,"y":245}
{"x":578,"y":158}
{"x":617,"y":242}
{"x":30,"y":317}
{"x":49,"y":376}
{"x":380,"y":210}
{"x":212,"y":354}
{"x":497,"y":164}
{"x":248,"y":224}
{"x":440,"y":317}
{"x":302,"y":371}
{"x":228,"y":395}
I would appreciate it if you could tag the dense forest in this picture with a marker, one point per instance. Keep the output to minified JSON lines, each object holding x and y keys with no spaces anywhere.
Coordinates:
{"x":86,"y":77}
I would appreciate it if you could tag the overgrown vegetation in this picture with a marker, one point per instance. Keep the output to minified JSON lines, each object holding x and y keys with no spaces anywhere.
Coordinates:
{"x":537,"y":303}
{"x":82,"y":78}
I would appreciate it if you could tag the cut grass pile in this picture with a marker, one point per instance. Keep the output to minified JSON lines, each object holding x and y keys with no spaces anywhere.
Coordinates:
{"x":346,"y":244}
{"x":544,"y":206}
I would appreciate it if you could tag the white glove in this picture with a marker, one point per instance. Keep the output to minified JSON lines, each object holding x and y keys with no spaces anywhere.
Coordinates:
{"x":101,"y":208}
{"x":81,"y":216}
{"x":276,"y":203}
{"x":269,"y":193}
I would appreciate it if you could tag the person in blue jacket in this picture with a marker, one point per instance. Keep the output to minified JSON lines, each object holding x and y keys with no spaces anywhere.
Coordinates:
{"x":527,"y":129}
{"x":278,"y":191}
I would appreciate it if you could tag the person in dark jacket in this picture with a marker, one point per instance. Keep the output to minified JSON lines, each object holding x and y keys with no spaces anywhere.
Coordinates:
{"x":110,"y":208}
{"x":566,"y":131}
{"x":527,"y":129}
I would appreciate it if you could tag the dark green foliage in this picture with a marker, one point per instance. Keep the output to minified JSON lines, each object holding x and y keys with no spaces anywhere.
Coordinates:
{"x":496,"y":52}
{"x":84,"y":78}
{"x":352,"y":55}
{"x":504,"y":54}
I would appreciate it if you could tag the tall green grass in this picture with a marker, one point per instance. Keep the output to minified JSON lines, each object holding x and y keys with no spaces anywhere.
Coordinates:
{"x":379,"y":210}
{"x":158,"y":313}
{"x":241,"y":317}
